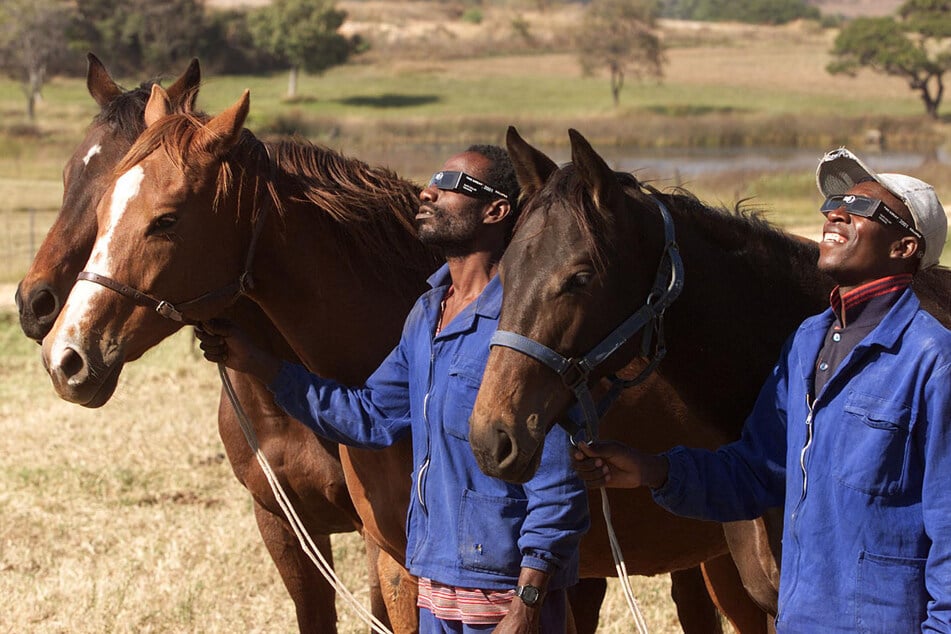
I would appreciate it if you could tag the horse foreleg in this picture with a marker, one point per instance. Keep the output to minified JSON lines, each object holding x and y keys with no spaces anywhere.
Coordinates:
{"x":377,"y":604}
{"x":728,"y":592}
{"x":695,"y":609}
{"x":584,"y":600}
{"x":399,"y":590}
{"x":755,"y":547}
{"x":313,"y":597}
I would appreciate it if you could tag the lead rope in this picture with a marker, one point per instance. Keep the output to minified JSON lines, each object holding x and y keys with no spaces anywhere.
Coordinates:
{"x":306,"y":542}
{"x":621,"y":567}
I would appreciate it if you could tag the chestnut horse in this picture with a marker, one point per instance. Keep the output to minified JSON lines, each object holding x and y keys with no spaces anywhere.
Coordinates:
{"x":308,"y":467}
{"x":227,"y":195}
{"x":596,"y":240}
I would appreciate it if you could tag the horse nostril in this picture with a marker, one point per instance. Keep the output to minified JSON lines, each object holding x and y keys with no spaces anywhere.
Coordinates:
{"x":43,"y":303}
{"x":72,"y":365}
{"x":505,"y":451}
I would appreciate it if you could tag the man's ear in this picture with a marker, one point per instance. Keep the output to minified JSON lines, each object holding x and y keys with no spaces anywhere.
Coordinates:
{"x":905,"y":248}
{"x":497,"y":211}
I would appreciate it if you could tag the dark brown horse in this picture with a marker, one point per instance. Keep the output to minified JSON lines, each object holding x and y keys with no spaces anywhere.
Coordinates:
{"x":595,"y":240}
{"x":308,"y":467}
{"x":191,"y":195}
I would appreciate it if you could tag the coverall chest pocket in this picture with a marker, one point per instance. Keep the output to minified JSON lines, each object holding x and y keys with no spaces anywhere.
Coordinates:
{"x":873,"y":444}
{"x":465,"y":376}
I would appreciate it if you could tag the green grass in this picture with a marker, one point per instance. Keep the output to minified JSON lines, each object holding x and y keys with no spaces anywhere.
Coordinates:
{"x":745,"y":87}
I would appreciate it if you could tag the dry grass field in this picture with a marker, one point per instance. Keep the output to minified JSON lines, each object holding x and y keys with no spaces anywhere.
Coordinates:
{"x":128,"y":518}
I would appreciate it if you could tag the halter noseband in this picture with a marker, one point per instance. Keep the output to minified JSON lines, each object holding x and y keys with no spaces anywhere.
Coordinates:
{"x":575,"y":372}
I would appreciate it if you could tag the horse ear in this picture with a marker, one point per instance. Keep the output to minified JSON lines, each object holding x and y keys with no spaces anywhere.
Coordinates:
{"x":532,"y":168}
{"x":224,"y":130}
{"x":99,"y":82}
{"x":158,"y":106}
{"x":600,"y":179}
{"x":184,"y":91}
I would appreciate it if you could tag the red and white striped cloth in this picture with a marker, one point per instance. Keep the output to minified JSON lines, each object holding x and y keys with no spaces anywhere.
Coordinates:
{"x":471,"y":606}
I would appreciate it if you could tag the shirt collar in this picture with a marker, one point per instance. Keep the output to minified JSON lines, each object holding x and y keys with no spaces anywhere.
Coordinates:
{"x":489,"y":303}
{"x":869,"y":302}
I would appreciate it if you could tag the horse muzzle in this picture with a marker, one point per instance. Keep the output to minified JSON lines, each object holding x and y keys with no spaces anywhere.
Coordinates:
{"x":37,"y":306}
{"x":82,"y":377}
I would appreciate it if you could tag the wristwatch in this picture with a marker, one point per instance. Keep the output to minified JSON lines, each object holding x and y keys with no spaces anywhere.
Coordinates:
{"x":530,"y":595}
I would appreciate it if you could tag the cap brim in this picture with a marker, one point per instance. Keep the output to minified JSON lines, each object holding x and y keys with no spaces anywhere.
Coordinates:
{"x":840,"y":170}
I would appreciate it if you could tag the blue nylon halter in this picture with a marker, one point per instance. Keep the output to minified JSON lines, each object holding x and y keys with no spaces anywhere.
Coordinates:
{"x":575,"y":372}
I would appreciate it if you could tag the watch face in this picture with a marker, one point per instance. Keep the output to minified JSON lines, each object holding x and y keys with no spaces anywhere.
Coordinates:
{"x":528,"y":594}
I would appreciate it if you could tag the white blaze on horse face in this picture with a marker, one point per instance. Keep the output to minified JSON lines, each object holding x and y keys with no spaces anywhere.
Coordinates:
{"x":84,"y":293}
{"x":93,"y":151}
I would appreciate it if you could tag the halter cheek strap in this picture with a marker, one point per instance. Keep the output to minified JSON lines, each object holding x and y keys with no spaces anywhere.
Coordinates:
{"x":649,"y":318}
{"x":225,"y":295}
{"x":165,"y":309}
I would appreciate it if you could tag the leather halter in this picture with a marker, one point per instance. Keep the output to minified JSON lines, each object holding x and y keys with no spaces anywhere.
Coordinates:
{"x":179,"y":312}
{"x":164,"y":308}
{"x":575,"y":372}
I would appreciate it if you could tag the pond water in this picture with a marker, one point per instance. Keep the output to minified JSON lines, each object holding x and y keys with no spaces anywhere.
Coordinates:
{"x":418,"y":161}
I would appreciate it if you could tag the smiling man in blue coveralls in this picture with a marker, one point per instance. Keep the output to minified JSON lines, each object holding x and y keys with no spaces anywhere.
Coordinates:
{"x":851,"y":432}
{"x":489,"y":555}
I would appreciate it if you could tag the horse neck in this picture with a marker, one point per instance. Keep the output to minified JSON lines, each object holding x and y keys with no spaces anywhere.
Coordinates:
{"x":330,"y":301}
{"x":745,"y":291}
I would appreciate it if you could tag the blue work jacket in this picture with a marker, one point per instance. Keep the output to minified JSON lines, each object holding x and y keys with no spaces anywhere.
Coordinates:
{"x":863,"y":470}
{"x":464,"y":528}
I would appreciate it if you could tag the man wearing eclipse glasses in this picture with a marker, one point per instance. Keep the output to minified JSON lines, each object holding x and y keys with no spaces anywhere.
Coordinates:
{"x":851,"y":433}
{"x":489,"y":555}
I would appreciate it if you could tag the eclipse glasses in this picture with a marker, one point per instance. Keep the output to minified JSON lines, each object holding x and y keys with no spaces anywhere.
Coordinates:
{"x":463,"y":183}
{"x":871,"y":208}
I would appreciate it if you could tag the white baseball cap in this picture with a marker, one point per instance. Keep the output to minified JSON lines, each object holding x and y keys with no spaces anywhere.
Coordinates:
{"x":839,"y":170}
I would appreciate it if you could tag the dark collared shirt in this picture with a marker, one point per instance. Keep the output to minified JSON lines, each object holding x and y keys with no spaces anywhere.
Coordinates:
{"x":857,"y":313}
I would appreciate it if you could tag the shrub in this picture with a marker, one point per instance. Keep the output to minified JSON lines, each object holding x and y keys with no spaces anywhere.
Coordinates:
{"x":472,"y":15}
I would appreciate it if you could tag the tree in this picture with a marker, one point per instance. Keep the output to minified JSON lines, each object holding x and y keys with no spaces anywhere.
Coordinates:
{"x":165,"y":32}
{"x":912,"y":46}
{"x":33,"y":43}
{"x":303,"y":33}
{"x":620,"y":34}
{"x":143,"y":35}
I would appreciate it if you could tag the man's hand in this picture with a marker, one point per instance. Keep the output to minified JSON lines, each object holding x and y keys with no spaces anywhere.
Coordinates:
{"x":614,"y":465}
{"x":222,"y":342}
{"x":521,"y":619}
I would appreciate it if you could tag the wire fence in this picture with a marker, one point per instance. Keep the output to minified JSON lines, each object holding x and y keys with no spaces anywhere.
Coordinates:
{"x":21,"y":233}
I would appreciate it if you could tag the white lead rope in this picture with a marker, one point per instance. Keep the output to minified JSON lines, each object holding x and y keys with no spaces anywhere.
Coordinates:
{"x":327,"y":571}
{"x":621,"y":567}
{"x":306,"y":542}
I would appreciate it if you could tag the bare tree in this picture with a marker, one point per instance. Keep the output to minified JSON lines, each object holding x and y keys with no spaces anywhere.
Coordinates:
{"x":32,"y":40}
{"x":621,"y":35}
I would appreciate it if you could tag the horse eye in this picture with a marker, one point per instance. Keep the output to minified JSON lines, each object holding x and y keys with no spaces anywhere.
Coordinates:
{"x":163,"y":223}
{"x":580,"y":280}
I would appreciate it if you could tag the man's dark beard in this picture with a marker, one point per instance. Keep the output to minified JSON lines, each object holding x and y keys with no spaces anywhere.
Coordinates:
{"x":453,"y":236}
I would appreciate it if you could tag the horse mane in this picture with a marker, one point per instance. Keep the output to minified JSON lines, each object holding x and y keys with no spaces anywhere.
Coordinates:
{"x":341,"y":186}
{"x":370,"y":209}
{"x":933,"y":287}
{"x":371,"y":206}
{"x":565,"y":188}
{"x":123,"y":114}
{"x":740,"y":232}
{"x":743,"y":233}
